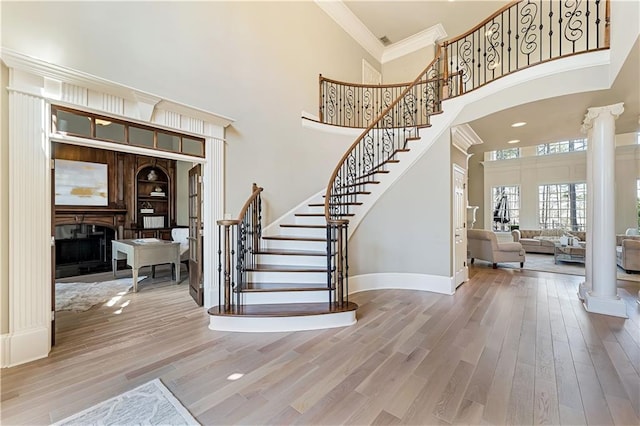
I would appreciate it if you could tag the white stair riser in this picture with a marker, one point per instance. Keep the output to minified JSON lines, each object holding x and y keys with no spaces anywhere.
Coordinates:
{"x":285,"y":297}
{"x":310,"y":220}
{"x":287,"y":277}
{"x":296,"y":245}
{"x":304,"y":232}
{"x":273,"y":259}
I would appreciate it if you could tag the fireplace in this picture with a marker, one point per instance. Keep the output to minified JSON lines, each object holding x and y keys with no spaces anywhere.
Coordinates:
{"x":83,"y":249}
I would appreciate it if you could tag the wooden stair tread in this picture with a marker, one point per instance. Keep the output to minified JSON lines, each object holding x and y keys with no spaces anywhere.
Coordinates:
{"x":344,"y":194}
{"x":286,"y":268}
{"x":316,"y":215}
{"x":289,"y":252}
{"x":284,"y":309}
{"x":293,"y":237}
{"x":295,"y":225}
{"x":350,"y":203}
{"x":351,"y":185}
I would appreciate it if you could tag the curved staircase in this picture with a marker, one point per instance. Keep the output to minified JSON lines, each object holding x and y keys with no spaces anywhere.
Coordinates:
{"x":294,"y":276}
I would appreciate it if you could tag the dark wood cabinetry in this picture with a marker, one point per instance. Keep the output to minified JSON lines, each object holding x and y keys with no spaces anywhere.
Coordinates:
{"x":129,"y":192}
{"x":153,"y":198}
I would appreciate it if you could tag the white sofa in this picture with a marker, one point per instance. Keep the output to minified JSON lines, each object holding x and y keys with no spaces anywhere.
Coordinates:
{"x":484,"y":245}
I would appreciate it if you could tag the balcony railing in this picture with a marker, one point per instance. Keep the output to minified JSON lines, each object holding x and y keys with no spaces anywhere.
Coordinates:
{"x":523,"y":34}
{"x":519,"y":35}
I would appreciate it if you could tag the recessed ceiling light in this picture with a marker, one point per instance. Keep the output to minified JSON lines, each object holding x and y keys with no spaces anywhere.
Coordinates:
{"x":519,"y":124}
{"x":514,"y":141}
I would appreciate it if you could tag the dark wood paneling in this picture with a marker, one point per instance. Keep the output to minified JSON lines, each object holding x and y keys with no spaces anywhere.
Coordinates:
{"x":122,"y":169}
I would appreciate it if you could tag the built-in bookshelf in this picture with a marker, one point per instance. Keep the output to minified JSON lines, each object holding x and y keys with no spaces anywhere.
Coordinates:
{"x":152,"y":198}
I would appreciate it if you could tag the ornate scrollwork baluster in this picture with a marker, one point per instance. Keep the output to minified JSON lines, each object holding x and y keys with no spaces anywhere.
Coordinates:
{"x":573,"y":28}
{"x":529,"y":42}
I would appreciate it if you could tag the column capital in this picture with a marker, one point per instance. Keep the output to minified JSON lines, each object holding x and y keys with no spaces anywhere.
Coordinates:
{"x":592,"y":113}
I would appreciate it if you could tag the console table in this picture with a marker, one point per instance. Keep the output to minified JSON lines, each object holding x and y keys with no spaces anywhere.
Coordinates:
{"x":145,"y":252}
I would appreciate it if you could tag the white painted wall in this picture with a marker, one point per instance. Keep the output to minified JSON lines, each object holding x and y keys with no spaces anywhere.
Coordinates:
{"x":408,"y":230}
{"x":238,"y":59}
{"x":406,"y":68}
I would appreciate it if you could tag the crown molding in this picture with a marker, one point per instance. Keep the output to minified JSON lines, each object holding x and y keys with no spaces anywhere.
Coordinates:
{"x":463,"y":137}
{"x":53,"y":73}
{"x":344,"y":17}
{"x":413,"y":43}
{"x":353,"y":26}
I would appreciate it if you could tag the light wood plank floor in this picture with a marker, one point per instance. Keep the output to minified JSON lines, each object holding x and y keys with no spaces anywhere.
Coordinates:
{"x":510,"y":347}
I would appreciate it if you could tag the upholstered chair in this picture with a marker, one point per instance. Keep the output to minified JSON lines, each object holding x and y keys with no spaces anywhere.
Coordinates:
{"x":484,"y":245}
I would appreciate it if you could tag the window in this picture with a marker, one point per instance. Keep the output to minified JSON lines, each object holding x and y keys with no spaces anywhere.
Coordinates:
{"x":67,"y":121}
{"x":563,"y":206}
{"x":506,"y":207}
{"x":562,"y":146}
{"x":506,"y":154}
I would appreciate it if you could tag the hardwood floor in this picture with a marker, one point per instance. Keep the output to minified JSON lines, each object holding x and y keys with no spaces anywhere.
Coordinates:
{"x":510,"y":347}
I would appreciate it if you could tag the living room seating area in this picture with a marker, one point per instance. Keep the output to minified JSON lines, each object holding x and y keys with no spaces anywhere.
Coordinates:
{"x":545,"y":240}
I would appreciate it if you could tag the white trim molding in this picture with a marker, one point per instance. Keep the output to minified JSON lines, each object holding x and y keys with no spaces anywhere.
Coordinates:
{"x":424,"y":38}
{"x":33,"y":86}
{"x":464,"y":137}
{"x":353,"y":26}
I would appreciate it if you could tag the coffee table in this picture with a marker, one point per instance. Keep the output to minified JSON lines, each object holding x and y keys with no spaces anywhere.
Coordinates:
{"x":564,"y":253}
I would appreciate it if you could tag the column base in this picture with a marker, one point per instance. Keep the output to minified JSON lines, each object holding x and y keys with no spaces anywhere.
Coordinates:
{"x":605,"y":306}
{"x":583,"y":289}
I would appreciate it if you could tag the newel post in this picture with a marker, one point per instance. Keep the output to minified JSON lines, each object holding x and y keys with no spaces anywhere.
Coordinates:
{"x":445,"y":71}
{"x":226,"y":270}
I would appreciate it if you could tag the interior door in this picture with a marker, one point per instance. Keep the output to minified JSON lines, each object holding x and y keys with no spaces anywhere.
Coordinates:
{"x":195,"y":235}
{"x":459,"y":225}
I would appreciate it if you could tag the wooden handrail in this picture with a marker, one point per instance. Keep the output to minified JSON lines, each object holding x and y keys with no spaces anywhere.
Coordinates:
{"x":336,"y":170}
{"x":481,"y":24}
{"x":255,"y":191}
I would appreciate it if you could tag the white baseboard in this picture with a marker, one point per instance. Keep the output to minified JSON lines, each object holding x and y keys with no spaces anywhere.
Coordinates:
{"x":24,"y":346}
{"x":422,"y":282}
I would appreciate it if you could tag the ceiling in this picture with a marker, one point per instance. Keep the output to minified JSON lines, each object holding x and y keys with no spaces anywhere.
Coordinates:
{"x":548,"y":120}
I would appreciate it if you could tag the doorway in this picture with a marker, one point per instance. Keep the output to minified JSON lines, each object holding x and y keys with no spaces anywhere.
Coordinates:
{"x":82,"y":235}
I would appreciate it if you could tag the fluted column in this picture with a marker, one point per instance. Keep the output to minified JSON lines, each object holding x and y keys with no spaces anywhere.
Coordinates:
{"x":585,"y":287}
{"x":602,"y":298}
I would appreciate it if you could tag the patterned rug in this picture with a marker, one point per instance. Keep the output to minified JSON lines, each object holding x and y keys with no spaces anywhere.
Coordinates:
{"x":78,"y":297}
{"x":149,"y":404}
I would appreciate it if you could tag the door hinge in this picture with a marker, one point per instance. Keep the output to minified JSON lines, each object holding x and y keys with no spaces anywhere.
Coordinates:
{"x":464,"y":186}
{"x":53,"y":241}
{"x":464,"y":263}
{"x":52,"y":164}
{"x":199,"y":179}
{"x":53,"y":315}
{"x":464,"y":225}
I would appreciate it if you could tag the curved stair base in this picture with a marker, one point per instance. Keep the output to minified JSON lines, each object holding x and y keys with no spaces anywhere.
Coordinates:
{"x":283,"y":317}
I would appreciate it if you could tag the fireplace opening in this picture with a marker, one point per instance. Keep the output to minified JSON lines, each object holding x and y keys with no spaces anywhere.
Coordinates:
{"x":83,"y":249}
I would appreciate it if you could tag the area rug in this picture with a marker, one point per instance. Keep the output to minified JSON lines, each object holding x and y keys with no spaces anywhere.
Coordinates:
{"x":78,"y":297}
{"x":545,"y":263}
{"x":149,"y":404}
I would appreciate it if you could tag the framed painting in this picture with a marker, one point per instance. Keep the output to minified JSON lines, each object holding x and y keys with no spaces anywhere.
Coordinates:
{"x":79,"y":183}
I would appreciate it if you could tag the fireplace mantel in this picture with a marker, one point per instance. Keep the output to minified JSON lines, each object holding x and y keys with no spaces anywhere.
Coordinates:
{"x":106,"y":216}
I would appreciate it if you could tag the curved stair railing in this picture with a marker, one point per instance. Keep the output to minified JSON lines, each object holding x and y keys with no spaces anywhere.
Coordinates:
{"x":382,"y":140}
{"x":238,"y":242}
{"x":521,"y":34}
